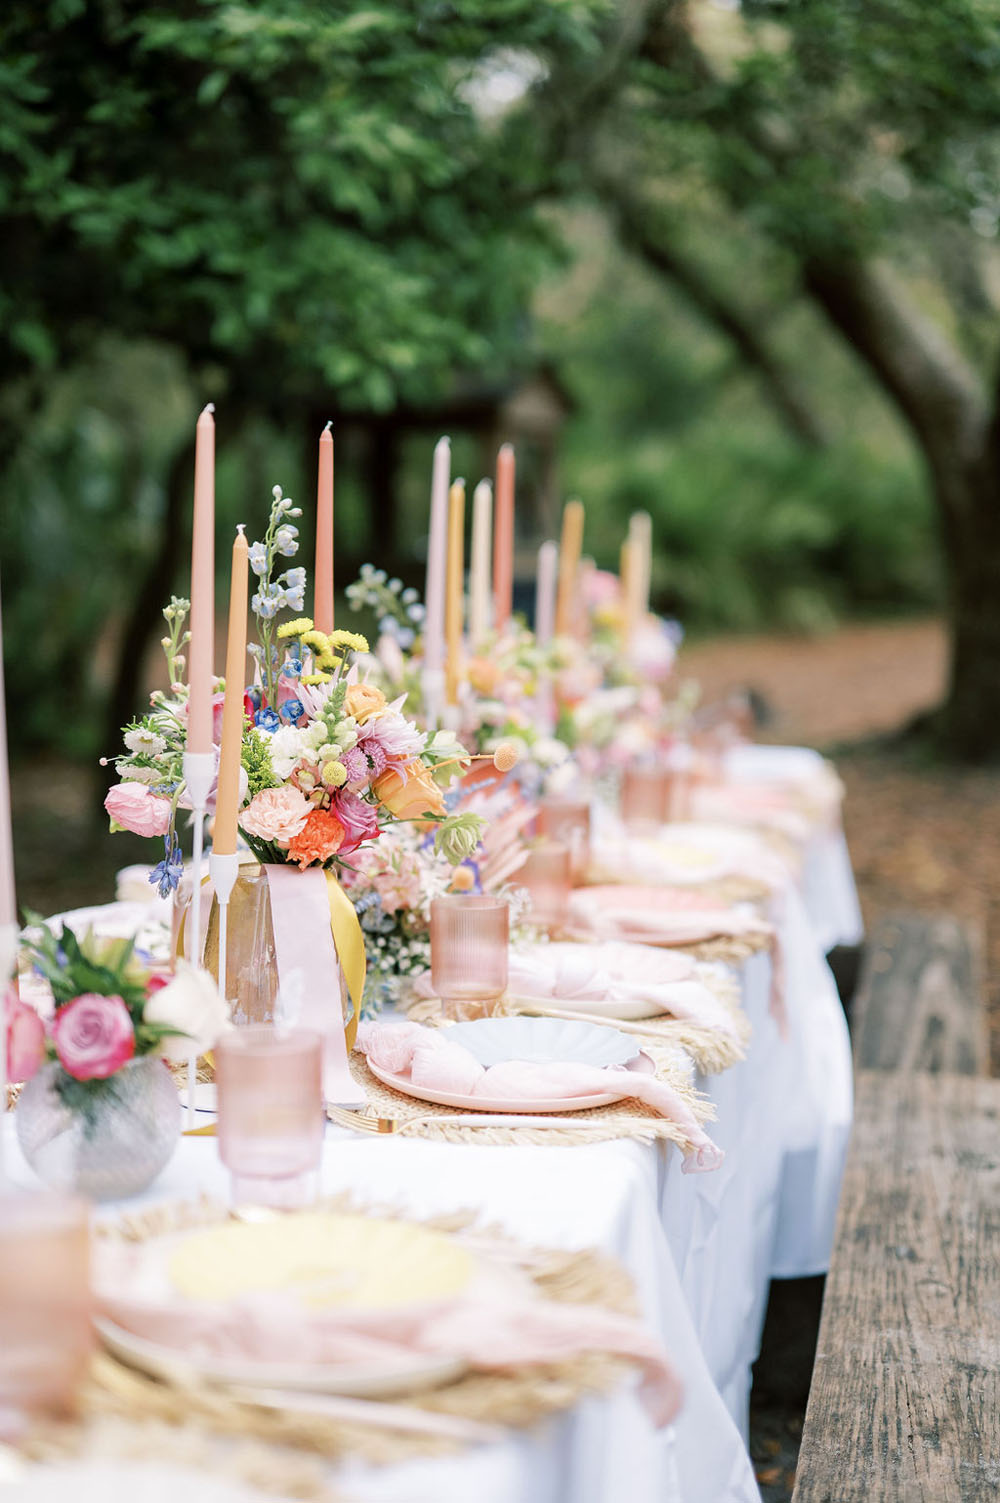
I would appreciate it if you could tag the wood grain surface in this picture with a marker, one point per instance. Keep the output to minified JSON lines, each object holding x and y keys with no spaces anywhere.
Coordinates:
{"x":919,"y":1001}
{"x":905,"y":1399}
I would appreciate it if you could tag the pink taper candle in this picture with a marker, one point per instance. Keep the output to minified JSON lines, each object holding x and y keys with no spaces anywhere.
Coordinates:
{"x":227,"y":799}
{"x":503,"y":538}
{"x":437,"y":552}
{"x":454,"y":589}
{"x":323,"y":577}
{"x":200,"y":673}
{"x":8,"y":904}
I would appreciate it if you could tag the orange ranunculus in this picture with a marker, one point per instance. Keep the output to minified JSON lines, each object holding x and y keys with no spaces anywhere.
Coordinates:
{"x":363,"y":701}
{"x":483,"y":675}
{"x":320,"y":837}
{"x":409,"y":794}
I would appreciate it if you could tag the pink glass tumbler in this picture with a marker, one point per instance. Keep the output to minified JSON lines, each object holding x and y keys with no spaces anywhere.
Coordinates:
{"x":568,"y":820}
{"x":46,"y":1334}
{"x":469,"y":938}
{"x":645,"y":796}
{"x":270,"y":1100}
{"x":546,"y":876}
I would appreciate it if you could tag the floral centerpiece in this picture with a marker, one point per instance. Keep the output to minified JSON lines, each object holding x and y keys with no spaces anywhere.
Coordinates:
{"x":499,"y":702}
{"x":328,"y":761}
{"x":99,"y":1111}
{"x":329,"y":764}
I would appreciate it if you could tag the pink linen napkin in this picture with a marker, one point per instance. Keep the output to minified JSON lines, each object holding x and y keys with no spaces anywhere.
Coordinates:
{"x":491,"y":1331}
{"x":436,"y":1063}
{"x":612,"y":972}
{"x":772,"y":808}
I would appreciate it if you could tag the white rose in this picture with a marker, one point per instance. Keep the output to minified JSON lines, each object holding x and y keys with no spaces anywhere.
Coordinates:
{"x":192,"y":1004}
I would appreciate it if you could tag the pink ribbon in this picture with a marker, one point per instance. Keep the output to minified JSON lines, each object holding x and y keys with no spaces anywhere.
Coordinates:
{"x":309,"y":970}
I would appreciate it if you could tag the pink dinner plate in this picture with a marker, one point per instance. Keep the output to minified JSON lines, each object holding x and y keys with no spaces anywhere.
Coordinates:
{"x":402,"y":1082}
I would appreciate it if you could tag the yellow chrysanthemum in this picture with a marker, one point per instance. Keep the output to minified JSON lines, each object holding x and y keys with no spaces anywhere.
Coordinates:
{"x":318,"y":641}
{"x":295,"y":628}
{"x":334,"y":774}
{"x":352,"y":640}
{"x":312,"y":679}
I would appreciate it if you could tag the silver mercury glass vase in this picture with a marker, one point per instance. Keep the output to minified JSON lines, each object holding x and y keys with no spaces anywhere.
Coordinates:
{"x":107,"y":1141}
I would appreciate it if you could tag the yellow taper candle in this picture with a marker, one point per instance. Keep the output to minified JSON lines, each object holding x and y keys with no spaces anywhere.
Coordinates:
{"x":323,"y":576}
{"x":453,"y":589}
{"x":626,"y":581}
{"x":227,"y":800}
{"x":570,"y":547}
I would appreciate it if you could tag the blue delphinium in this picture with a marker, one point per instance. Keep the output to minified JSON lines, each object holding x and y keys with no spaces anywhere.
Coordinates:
{"x":267,"y":720}
{"x":167,"y":873}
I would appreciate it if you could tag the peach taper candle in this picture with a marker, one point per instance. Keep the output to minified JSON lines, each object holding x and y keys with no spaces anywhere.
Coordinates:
{"x":503,"y":538}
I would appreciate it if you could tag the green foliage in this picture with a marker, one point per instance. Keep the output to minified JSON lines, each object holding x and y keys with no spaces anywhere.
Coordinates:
{"x":300,"y":193}
{"x":256,"y":759}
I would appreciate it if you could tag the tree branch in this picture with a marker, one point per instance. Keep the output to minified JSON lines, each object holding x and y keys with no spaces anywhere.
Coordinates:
{"x":777,"y":382}
{"x":930,"y":383}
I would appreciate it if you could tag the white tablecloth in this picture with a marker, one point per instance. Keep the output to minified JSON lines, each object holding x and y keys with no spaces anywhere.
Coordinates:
{"x":602,"y":1196}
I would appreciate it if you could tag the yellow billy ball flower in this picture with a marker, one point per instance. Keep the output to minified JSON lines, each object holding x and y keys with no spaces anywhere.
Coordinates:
{"x":334,"y":774}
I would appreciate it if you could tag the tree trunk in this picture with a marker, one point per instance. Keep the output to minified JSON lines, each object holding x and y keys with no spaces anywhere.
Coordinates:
{"x":968,"y":723}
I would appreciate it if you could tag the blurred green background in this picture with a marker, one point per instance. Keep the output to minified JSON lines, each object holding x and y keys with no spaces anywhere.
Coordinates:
{"x":735,"y":265}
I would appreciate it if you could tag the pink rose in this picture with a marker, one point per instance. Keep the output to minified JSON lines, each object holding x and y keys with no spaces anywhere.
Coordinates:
{"x":132,"y":806}
{"x":93,"y":1036}
{"x":25,"y":1038}
{"x":359,"y":819}
{"x":277,"y":814}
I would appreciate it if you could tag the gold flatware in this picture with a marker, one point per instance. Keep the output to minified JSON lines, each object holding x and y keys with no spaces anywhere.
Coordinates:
{"x":388,"y":1126}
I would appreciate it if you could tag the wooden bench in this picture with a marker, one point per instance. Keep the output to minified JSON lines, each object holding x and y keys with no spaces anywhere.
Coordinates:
{"x":904,"y":1405}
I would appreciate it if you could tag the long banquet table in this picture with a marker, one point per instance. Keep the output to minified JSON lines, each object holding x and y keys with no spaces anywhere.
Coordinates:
{"x":701,"y":1249}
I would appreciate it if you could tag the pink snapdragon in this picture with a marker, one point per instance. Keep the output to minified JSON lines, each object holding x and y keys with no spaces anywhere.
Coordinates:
{"x":93,"y":1036}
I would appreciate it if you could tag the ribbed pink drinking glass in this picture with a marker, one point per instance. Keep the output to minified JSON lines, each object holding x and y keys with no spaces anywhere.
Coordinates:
{"x":645,"y":796}
{"x":546,"y":876}
{"x":469,"y":938}
{"x":568,"y":820}
{"x":46,"y":1331}
{"x":270,"y":1102}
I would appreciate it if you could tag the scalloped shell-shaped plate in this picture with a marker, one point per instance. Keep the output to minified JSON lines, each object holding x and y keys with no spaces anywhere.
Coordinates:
{"x":543,"y":1041}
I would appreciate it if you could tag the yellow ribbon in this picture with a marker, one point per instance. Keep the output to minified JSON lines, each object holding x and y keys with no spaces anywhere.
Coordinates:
{"x":350,"y":946}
